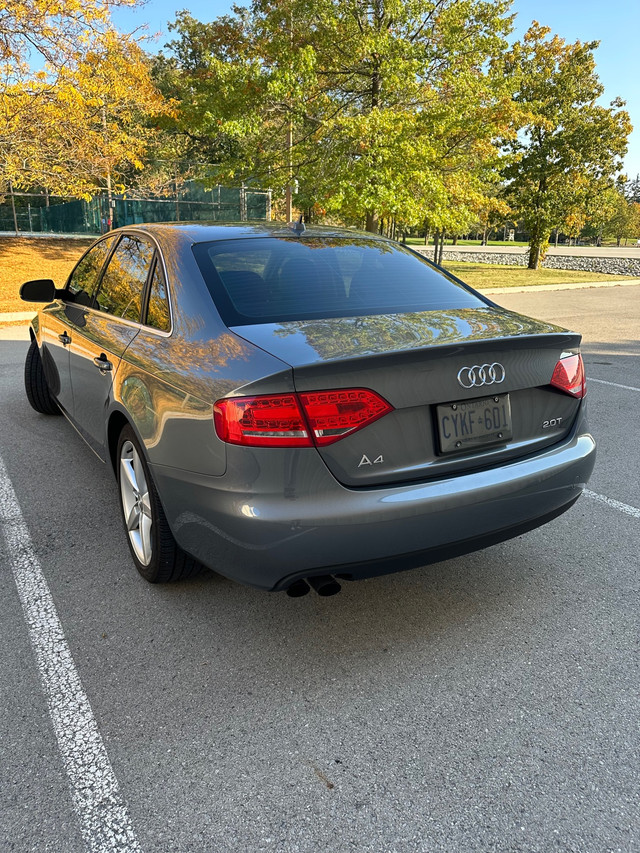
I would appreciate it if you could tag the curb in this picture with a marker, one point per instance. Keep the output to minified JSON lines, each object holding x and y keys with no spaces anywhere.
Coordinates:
{"x":16,"y":316}
{"x":574,"y":285}
{"x":25,"y":316}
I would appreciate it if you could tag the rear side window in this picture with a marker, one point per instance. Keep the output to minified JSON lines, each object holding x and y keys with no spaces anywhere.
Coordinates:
{"x":158,"y":315}
{"x":273,"y":279}
{"x":84,"y":278}
{"x":122,"y":284}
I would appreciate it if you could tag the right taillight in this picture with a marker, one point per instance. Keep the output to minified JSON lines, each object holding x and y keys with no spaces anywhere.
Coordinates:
{"x":334,"y":414}
{"x":568,"y":376}
{"x":297,"y":420}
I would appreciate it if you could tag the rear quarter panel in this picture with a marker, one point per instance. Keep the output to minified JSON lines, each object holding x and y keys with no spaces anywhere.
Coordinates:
{"x":167,"y":383}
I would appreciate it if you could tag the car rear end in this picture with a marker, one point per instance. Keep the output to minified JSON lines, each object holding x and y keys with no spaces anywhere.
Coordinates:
{"x":420,"y":420}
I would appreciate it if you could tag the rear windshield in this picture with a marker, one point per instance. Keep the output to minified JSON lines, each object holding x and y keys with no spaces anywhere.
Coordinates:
{"x":274,"y":279}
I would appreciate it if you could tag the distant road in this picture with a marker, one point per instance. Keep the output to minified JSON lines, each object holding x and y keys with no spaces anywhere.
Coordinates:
{"x":592,"y":251}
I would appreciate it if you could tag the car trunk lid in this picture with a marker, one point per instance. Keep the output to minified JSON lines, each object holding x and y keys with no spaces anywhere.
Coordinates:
{"x":440,"y":370}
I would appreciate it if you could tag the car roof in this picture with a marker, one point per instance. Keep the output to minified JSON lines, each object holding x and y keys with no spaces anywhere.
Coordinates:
{"x":203,"y":232}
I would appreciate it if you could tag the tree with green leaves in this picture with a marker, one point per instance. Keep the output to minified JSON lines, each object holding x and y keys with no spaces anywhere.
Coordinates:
{"x":620,"y":218}
{"x":376,"y":108}
{"x":632,"y":190}
{"x":568,"y":144}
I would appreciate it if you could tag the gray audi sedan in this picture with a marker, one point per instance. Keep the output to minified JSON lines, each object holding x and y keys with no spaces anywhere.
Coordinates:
{"x":294,"y":406}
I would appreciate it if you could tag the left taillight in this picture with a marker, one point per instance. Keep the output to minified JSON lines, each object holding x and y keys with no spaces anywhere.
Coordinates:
{"x":297,"y":420}
{"x":568,"y":376}
{"x":270,"y":420}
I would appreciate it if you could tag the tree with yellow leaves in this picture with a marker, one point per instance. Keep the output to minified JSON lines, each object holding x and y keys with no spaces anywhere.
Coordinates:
{"x":74,"y":96}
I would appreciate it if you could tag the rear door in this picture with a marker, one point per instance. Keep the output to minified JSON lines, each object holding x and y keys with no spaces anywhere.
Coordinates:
{"x":110,"y":325}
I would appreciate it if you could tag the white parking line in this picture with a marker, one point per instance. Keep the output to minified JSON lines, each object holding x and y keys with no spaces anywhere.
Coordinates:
{"x":104,"y":819}
{"x":629,"y":510}
{"x":615,"y":384}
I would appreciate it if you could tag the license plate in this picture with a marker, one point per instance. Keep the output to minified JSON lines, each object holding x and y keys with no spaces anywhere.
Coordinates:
{"x":469,"y":424}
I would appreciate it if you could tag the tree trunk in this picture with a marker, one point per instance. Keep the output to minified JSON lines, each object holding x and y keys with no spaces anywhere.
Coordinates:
{"x":534,"y":257}
{"x":436,"y":244}
{"x":538,"y":246}
{"x":538,"y":238}
{"x":373,"y":221}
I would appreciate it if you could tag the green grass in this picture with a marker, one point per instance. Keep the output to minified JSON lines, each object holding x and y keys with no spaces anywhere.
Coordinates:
{"x":499,"y":275}
{"x":419,"y":241}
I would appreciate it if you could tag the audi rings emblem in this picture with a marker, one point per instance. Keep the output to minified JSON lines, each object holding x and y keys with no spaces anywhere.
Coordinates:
{"x":481,"y":374}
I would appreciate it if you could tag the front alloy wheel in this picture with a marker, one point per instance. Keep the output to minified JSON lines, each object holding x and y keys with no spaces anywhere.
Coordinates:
{"x":153,"y":548}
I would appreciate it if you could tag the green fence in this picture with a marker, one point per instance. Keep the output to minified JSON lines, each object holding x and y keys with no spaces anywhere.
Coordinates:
{"x":191,"y":203}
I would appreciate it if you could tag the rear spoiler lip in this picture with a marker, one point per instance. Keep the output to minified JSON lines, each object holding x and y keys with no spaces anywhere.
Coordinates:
{"x":563,"y":340}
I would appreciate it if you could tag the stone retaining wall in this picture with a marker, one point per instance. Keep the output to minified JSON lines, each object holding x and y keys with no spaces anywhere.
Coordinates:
{"x":612,"y":266}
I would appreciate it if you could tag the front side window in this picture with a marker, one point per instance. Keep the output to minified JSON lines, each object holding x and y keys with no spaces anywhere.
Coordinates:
{"x":276,"y":279}
{"x":83,"y":279}
{"x":122,"y":284}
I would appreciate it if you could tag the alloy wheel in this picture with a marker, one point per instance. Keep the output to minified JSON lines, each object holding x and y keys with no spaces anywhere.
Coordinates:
{"x":136,"y":504}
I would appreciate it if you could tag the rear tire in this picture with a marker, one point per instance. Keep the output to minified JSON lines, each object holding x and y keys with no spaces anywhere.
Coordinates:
{"x":35,"y":384}
{"x":155,"y":552}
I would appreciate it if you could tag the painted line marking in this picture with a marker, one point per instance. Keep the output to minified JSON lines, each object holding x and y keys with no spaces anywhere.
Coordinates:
{"x":104,"y":820}
{"x":629,"y":510}
{"x":615,"y":384}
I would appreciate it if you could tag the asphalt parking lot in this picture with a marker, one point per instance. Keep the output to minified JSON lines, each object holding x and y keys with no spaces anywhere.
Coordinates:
{"x":488,"y":703}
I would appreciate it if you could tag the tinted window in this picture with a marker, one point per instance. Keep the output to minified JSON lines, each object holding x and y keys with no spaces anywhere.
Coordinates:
{"x":270,"y":280}
{"x":158,"y":314}
{"x":85,"y":276}
{"x":122,"y":284}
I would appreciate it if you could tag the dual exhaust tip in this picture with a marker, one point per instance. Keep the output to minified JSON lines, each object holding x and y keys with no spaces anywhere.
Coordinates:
{"x":324,"y":585}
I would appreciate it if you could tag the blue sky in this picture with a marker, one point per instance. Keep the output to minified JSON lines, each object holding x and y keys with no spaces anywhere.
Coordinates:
{"x":616,"y":24}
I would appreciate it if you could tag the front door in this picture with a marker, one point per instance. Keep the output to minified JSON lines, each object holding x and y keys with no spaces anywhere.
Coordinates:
{"x":63,"y":322}
{"x":56,"y":340}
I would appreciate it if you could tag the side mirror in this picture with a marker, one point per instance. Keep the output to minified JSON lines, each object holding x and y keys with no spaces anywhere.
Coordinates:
{"x":39,"y":290}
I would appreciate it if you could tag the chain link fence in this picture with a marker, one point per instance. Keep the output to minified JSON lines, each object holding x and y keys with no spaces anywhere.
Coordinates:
{"x":34,"y":213}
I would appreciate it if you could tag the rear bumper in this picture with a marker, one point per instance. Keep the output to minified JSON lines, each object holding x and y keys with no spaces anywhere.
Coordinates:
{"x":268,"y":540}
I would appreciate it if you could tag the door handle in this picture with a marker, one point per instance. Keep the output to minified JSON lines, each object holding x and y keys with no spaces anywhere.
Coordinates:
{"x":102,"y":363}
{"x":64,"y":338}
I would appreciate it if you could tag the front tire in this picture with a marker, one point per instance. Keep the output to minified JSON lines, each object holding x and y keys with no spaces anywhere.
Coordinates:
{"x":35,"y":384}
{"x":155,"y":552}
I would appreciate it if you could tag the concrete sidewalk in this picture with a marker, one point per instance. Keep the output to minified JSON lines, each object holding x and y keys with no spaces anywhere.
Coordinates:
{"x":574,"y":285}
{"x":16,"y":316}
